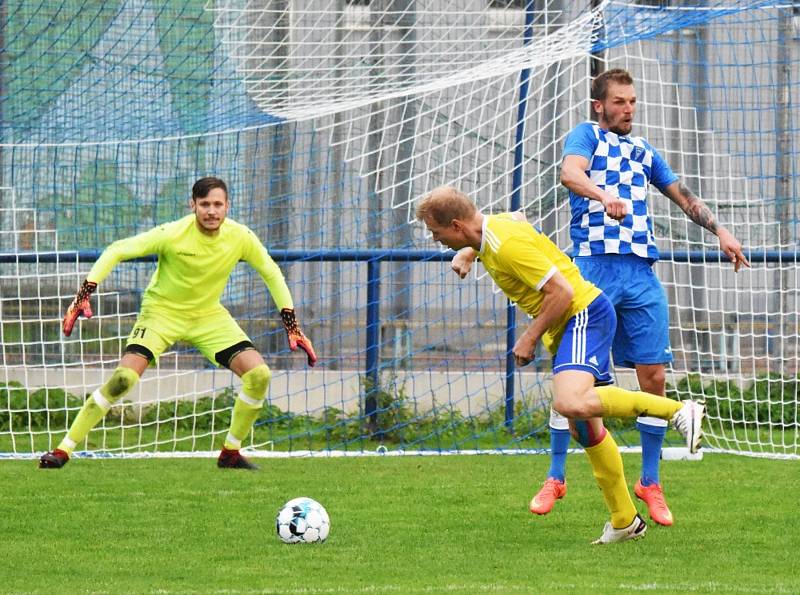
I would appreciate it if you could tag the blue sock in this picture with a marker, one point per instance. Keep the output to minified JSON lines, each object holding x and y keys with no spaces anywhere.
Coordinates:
{"x":652,"y":439}
{"x":559,"y":442}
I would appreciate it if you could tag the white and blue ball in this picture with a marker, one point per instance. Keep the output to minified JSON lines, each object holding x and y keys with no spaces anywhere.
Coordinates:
{"x":303,"y":520}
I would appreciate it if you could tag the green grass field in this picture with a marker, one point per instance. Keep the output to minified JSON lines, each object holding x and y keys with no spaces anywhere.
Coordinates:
{"x":451,"y":524}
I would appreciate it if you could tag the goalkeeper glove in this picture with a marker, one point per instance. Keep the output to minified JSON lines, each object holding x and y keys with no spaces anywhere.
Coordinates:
{"x":296,"y":336}
{"x":80,"y":305}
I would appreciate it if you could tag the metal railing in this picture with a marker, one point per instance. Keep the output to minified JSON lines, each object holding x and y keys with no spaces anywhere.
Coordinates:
{"x":373,"y":259}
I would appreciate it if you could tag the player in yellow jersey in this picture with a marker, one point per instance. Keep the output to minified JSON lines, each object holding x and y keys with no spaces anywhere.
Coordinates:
{"x":576,"y":323}
{"x":196,"y":255}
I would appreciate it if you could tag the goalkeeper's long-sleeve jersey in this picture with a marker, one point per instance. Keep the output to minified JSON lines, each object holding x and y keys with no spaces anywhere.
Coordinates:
{"x":193,"y":268}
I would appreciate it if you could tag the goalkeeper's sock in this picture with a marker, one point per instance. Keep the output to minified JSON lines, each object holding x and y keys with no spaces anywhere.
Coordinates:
{"x":619,"y":402}
{"x":97,"y":405}
{"x":610,"y":475}
{"x":248,"y":405}
{"x":559,"y":443}
{"x":652,"y":432}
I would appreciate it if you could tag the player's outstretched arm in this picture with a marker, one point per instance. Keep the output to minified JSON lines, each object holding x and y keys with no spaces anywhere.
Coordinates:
{"x":125,"y":249}
{"x":699,"y":213}
{"x":257,"y":256}
{"x":296,"y":336}
{"x":80,"y":306}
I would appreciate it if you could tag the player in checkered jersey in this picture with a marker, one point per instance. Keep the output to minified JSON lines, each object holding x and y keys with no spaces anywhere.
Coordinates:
{"x":607,"y":172}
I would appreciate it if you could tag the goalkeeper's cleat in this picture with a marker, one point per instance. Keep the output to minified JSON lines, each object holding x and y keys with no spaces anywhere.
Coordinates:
{"x":552,"y":490}
{"x":233,"y":459}
{"x":688,"y":420}
{"x":54,"y":459}
{"x":635,"y":530}
{"x":653,"y":496}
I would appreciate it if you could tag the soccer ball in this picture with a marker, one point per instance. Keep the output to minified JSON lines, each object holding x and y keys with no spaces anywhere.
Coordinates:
{"x":302,"y":520}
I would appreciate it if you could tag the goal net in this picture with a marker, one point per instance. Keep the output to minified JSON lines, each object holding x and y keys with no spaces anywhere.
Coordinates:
{"x":329,"y":119}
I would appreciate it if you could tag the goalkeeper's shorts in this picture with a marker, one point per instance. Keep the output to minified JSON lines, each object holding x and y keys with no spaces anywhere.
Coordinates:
{"x":211,"y":333}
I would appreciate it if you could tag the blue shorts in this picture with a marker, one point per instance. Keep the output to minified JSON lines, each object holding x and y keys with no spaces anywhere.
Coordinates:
{"x":642,"y":335}
{"x":586,"y":342}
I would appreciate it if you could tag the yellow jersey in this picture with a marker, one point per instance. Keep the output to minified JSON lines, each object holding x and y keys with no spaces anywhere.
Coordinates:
{"x":521,"y":260}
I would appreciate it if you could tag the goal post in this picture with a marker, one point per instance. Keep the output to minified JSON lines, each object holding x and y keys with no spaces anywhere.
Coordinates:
{"x":329,"y":119}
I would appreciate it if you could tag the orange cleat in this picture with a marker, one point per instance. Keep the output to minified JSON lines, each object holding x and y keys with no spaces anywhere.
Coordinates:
{"x":653,"y":496}
{"x":551,"y":491}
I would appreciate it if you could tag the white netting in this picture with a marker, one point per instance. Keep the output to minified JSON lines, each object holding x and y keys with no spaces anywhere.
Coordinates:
{"x":329,"y":119}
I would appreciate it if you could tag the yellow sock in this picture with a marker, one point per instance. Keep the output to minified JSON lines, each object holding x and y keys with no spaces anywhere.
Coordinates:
{"x":248,"y":405}
{"x":620,"y":402}
{"x":97,"y":405}
{"x":610,"y":475}
{"x":243,"y":417}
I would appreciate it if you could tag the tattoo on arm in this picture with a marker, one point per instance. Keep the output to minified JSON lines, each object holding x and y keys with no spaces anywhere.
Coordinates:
{"x":696,"y":209}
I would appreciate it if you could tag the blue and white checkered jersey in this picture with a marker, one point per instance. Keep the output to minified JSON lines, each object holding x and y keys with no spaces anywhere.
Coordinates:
{"x":623,"y":166}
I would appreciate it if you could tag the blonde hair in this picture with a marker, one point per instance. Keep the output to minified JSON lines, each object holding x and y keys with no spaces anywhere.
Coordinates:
{"x":444,"y":204}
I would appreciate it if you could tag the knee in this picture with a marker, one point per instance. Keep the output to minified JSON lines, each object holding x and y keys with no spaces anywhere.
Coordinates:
{"x":572,"y":406}
{"x":120,"y":383}
{"x":256,"y":381}
{"x":565,"y":406}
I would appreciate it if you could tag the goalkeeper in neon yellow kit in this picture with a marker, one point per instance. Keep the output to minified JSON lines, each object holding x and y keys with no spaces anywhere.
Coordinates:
{"x":196,"y":255}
